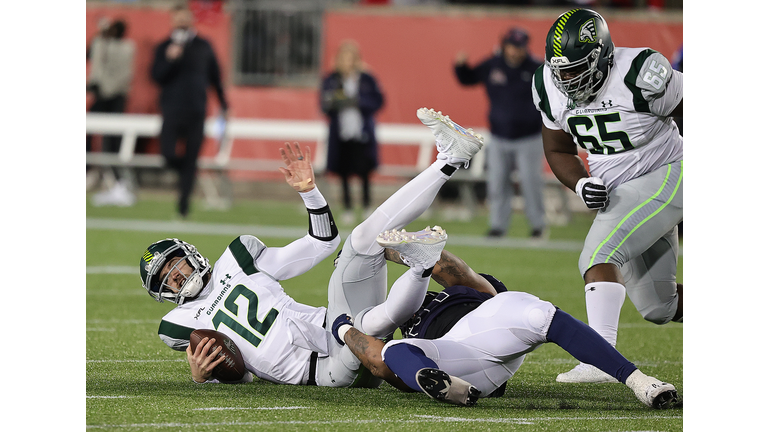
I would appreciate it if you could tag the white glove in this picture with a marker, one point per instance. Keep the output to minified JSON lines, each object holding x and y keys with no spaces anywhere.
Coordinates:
{"x":593,"y":192}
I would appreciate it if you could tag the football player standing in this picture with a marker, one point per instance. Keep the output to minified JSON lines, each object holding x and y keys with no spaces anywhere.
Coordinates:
{"x":618,"y":105}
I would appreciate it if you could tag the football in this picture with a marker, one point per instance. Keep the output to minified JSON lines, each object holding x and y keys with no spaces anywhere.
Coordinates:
{"x":233,"y":366}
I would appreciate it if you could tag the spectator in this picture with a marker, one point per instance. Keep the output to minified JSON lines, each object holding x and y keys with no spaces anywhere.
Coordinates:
{"x":350,"y":97}
{"x":515,"y":141}
{"x":111,"y":56}
{"x":184,"y":66}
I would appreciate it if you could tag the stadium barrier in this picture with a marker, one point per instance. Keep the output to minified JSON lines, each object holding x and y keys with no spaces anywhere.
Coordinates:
{"x":132,"y":126}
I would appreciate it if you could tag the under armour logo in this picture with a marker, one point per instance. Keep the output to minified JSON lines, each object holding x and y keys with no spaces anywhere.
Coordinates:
{"x":607,"y":104}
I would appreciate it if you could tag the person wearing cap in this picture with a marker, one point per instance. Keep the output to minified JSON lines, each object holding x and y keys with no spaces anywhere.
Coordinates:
{"x":515,"y":126}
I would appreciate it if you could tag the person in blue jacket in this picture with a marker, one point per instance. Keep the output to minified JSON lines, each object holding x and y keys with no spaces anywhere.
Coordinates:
{"x":350,"y":97}
{"x":515,"y":142}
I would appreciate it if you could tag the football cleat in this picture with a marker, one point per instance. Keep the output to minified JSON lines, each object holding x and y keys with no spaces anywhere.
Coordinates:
{"x":585,"y":373}
{"x":652,"y":392}
{"x":454,"y":143}
{"x":445,"y":388}
{"x":419,"y":250}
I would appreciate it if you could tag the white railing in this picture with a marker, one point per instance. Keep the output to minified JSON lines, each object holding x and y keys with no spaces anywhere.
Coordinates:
{"x":132,"y":126}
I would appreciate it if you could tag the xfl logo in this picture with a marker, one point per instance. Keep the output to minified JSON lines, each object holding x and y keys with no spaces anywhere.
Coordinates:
{"x":588,"y":32}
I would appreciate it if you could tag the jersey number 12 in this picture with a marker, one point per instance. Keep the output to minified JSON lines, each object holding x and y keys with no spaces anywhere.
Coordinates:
{"x":254,"y":327}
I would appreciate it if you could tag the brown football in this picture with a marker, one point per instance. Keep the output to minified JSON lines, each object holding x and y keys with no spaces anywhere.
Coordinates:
{"x":233,"y":366}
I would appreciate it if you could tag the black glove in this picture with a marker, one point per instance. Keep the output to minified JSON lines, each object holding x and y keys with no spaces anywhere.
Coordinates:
{"x":593,"y":192}
{"x":338,"y":323}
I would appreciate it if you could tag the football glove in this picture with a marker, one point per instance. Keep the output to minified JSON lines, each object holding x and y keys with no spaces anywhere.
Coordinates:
{"x":340,"y":321}
{"x":593,"y":192}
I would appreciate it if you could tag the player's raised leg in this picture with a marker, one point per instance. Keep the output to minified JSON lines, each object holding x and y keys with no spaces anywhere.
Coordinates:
{"x":455,"y":145}
{"x":419,"y":250}
{"x":359,"y":282}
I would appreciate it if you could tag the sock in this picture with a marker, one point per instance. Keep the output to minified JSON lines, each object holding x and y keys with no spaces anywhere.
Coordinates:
{"x":404,"y":299}
{"x":402,"y":208}
{"x":604,"y":301}
{"x":587,"y":346}
{"x":405,"y":361}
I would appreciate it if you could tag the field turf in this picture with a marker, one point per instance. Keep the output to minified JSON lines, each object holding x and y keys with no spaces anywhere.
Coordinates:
{"x":135,"y":383}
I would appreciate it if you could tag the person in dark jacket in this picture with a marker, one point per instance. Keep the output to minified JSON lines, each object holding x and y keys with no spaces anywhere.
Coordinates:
{"x":350,"y":97}
{"x":515,"y":142}
{"x":185,"y":66}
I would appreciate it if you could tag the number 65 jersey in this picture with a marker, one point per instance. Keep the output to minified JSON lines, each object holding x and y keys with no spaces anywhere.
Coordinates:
{"x":251,"y":307}
{"x":625,"y":128}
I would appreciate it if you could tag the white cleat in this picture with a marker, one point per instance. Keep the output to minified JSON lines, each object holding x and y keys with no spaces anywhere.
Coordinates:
{"x":420,"y":249}
{"x":652,"y":392}
{"x":445,"y":388}
{"x":585,"y":373}
{"x":454,"y":143}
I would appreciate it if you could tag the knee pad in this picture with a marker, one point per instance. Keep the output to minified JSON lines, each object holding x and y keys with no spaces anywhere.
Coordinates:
{"x":538,"y":316}
{"x":659,"y":314}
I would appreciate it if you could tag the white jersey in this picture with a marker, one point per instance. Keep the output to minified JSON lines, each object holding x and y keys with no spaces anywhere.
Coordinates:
{"x":626,"y":128}
{"x":245,"y":302}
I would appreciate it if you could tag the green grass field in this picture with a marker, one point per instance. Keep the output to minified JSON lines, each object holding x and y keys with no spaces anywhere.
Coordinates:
{"x":135,"y":383}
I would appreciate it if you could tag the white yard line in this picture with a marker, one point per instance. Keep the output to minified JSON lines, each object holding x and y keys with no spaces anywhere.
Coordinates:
{"x":297,"y":232}
{"x":248,"y":408}
{"x":416,"y":419}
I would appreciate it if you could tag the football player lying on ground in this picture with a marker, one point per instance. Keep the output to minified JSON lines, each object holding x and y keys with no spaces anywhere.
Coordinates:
{"x":281,"y":340}
{"x":468,"y":340}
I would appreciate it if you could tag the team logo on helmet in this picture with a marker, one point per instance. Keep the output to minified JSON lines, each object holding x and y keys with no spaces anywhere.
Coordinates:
{"x":149,"y":259}
{"x":588,"y":32}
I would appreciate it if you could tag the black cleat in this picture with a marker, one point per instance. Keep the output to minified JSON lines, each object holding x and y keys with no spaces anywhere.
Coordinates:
{"x":445,"y":388}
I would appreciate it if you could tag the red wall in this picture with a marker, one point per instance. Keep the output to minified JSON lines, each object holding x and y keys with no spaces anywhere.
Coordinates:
{"x":410,"y":54}
{"x":413,"y":55}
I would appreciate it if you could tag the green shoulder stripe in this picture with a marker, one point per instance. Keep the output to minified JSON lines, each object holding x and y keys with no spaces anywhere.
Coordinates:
{"x":243,"y":257}
{"x":174,"y":331}
{"x":641,"y":105}
{"x":538,"y":82}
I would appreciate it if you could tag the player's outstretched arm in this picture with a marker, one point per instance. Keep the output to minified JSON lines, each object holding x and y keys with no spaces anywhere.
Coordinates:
{"x":322,"y":238}
{"x":298,"y":170}
{"x":451,"y":270}
{"x":368,"y":350}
